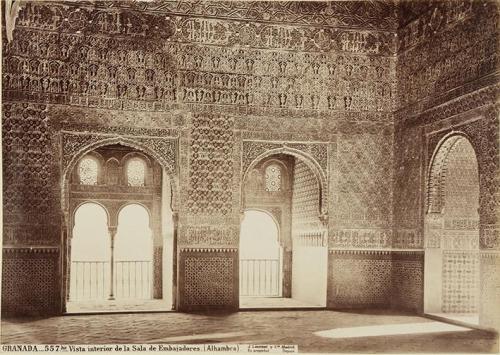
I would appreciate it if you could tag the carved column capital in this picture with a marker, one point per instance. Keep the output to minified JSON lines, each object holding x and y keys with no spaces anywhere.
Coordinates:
{"x":242,"y":215}
{"x":112,"y":231}
{"x":323,"y":217}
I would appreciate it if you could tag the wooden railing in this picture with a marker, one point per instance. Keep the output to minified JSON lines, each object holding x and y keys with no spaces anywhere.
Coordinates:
{"x":260,"y":278}
{"x":133,"y":279}
{"x":90,"y":280}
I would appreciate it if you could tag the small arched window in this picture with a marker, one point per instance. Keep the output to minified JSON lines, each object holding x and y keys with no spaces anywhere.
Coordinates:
{"x":112,"y":172}
{"x":87,"y":171}
{"x":136,"y":171}
{"x":273,"y":178}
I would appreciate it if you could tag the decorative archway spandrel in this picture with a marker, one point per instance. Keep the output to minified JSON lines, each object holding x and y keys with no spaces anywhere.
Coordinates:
{"x":319,"y":151}
{"x":253,"y":149}
{"x":276,"y":212}
{"x":165,"y":147}
{"x":74,"y":143}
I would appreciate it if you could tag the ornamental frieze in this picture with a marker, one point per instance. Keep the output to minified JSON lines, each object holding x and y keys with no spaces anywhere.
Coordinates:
{"x":100,"y":75}
{"x":25,"y":233}
{"x":205,"y":31}
{"x":209,"y":235}
{"x":360,"y":238}
{"x":379,"y":16}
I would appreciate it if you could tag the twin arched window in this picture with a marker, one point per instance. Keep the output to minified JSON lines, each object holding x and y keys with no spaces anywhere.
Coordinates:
{"x":88,"y":171}
{"x":273,"y":178}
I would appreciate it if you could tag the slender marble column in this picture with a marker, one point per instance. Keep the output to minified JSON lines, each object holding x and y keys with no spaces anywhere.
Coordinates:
{"x":112,"y":234}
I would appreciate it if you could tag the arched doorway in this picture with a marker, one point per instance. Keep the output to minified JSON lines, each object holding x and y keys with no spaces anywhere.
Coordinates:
{"x":137,"y":197}
{"x":133,"y":254}
{"x":282,"y":201}
{"x":451,"y":272}
{"x":90,"y":254}
{"x":260,"y":256}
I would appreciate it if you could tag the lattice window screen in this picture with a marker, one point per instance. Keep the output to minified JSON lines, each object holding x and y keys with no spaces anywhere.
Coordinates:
{"x":87,"y":171}
{"x":273,"y":178}
{"x":136,"y":172}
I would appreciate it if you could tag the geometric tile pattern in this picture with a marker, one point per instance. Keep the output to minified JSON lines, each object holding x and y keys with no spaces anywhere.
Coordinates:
{"x":201,"y":290}
{"x":305,"y":199}
{"x":359,"y":280}
{"x":490,"y":284}
{"x":406,"y":178}
{"x":461,"y":181}
{"x":407,"y":280}
{"x":29,"y":282}
{"x":211,"y":165}
{"x":364,"y":195}
{"x":460,"y":282}
{"x":30,"y":195}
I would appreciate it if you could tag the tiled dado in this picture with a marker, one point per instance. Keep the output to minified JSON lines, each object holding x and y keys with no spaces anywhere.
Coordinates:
{"x":30,"y":281}
{"x":489,"y":312}
{"x":208,"y":279}
{"x":358,"y":278}
{"x":375,"y":278}
{"x":407,"y":288}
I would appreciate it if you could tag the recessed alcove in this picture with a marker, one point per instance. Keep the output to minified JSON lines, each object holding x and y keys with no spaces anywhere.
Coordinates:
{"x":121,"y":246}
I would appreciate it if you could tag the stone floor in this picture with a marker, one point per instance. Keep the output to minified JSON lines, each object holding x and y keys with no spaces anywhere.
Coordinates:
{"x":118,"y":306}
{"x":312,"y":330}
{"x":274,"y":303}
{"x":460,"y":317}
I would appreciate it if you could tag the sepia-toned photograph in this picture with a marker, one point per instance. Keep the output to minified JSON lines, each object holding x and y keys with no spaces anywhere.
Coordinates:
{"x":250,"y":176}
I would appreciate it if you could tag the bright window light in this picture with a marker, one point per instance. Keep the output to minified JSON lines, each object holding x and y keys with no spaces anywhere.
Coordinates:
{"x":259,"y":236}
{"x":90,"y":234}
{"x":134,"y":237}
